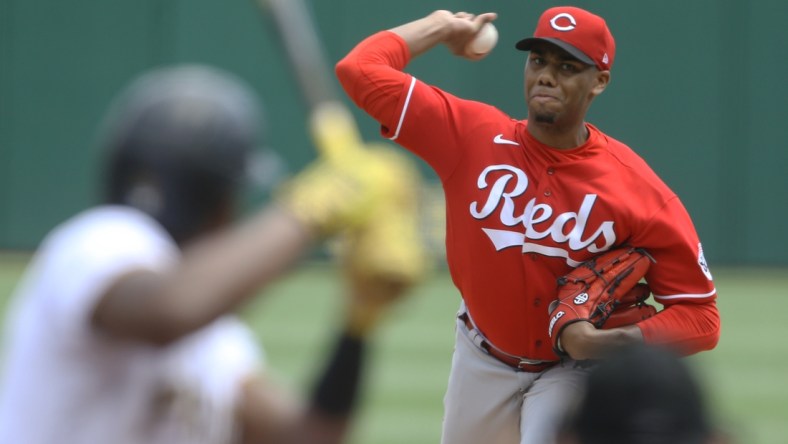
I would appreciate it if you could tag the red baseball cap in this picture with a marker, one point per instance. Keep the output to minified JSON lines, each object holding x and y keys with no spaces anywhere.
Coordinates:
{"x":580,"y":33}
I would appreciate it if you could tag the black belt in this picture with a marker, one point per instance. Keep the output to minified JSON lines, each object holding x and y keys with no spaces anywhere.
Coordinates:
{"x":516,"y":362}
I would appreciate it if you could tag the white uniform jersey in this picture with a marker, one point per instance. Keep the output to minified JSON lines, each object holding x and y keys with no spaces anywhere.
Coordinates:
{"x":65,"y":382}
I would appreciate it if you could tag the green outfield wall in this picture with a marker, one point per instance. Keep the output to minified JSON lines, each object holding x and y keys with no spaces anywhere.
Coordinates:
{"x":699,"y":90}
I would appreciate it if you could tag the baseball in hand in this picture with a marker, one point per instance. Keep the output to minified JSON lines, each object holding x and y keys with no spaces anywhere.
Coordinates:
{"x":484,"y":41}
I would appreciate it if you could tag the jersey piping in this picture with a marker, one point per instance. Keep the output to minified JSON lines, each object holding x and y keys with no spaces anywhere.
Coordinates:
{"x":404,"y":108}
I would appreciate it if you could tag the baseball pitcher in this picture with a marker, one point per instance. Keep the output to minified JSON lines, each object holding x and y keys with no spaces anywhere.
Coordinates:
{"x":551,"y":222}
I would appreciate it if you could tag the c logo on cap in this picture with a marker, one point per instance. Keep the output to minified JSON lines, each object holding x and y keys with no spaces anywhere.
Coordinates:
{"x":566,"y":15}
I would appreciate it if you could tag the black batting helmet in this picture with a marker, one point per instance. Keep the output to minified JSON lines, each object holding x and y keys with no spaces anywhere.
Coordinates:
{"x":177,"y":143}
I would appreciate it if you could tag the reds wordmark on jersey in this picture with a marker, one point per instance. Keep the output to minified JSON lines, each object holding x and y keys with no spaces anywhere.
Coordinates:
{"x":537,"y":219}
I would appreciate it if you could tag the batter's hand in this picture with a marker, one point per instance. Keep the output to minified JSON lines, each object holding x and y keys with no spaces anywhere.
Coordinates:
{"x":331,"y":196}
{"x":385,"y":256}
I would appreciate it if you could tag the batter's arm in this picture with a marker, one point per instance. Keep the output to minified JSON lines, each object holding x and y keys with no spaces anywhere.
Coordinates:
{"x":454,"y":30}
{"x":215,"y":276}
{"x":268,"y":414}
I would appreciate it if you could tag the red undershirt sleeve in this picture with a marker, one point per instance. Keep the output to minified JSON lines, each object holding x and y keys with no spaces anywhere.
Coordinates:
{"x":688,"y":328}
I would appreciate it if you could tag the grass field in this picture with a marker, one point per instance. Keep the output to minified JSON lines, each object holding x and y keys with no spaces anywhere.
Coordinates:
{"x":744,"y":376}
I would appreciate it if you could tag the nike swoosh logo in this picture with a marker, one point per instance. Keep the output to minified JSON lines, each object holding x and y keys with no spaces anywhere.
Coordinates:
{"x":501,"y":141}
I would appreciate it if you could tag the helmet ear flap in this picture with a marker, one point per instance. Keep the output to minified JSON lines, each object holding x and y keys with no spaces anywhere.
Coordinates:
{"x":177,"y":142}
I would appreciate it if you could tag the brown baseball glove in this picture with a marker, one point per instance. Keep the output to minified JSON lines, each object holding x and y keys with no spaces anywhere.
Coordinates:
{"x":603,"y":291}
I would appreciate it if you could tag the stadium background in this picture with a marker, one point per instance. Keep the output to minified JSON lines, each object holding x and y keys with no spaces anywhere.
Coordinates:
{"x":698,"y":90}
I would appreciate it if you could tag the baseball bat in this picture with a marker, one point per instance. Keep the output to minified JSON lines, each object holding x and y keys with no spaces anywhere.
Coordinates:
{"x":333,"y":128}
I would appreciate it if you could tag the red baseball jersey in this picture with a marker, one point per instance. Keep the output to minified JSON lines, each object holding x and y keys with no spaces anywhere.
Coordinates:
{"x":521,"y":214}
